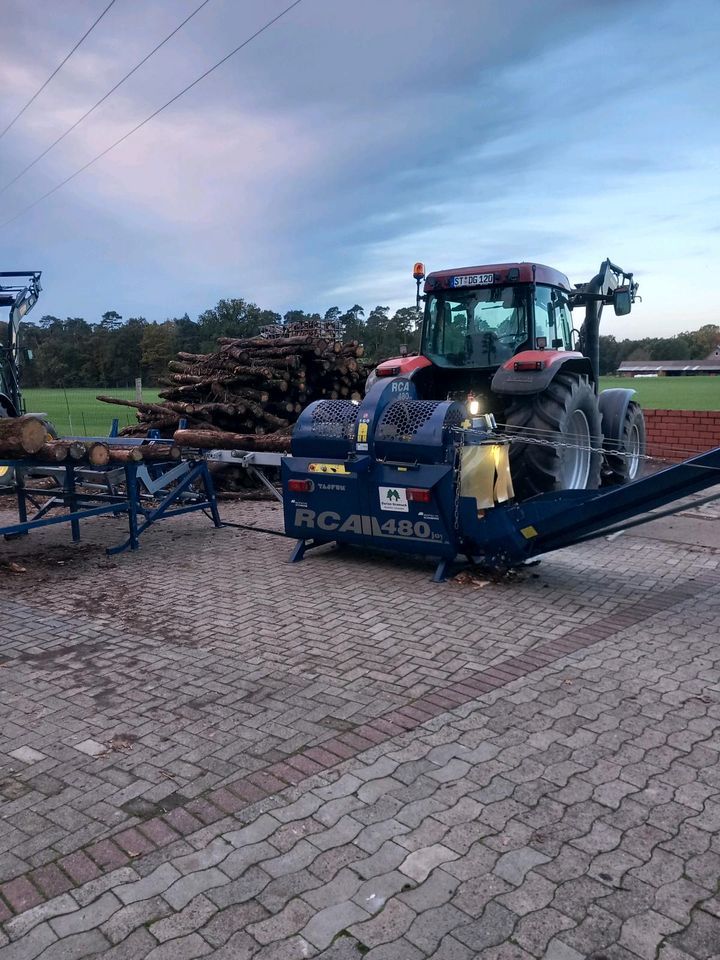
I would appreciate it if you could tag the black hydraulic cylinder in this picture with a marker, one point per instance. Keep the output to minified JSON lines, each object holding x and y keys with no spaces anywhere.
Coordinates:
{"x":591,"y":327}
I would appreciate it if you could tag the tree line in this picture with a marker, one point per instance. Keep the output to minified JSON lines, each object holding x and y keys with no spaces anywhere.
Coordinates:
{"x":689,"y":345}
{"x":113,"y":352}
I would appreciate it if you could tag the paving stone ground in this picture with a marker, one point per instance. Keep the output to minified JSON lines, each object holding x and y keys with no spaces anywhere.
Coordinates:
{"x":207,"y":752}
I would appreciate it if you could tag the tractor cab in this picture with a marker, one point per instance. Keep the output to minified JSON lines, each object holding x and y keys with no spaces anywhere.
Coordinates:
{"x":479,"y":317}
{"x":500,"y":340}
{"x":476,"y":319}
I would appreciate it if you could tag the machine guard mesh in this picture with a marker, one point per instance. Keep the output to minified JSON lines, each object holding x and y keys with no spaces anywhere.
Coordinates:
{"x":335,"y":418}
{"x":403,"y":419}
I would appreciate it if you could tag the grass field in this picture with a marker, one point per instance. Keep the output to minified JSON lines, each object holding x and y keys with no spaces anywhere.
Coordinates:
{"x":671,"y":393}
{"x":77,"y":412}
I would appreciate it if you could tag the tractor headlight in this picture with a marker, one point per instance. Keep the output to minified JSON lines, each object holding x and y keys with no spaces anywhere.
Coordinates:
{"x":473,"y":406}
{"x":372,"y":377}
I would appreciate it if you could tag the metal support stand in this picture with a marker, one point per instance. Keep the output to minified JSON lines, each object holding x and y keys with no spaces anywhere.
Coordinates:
{"x":259,"y":475}
{"x":198,"y":471}
{"x":302,"y":546}
{"x":84,"y":493}
{"x":442,"y":571}
{"x":72,"y":500}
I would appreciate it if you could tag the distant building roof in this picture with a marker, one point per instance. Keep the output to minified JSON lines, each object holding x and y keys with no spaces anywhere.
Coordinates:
{"x":712,"y":365}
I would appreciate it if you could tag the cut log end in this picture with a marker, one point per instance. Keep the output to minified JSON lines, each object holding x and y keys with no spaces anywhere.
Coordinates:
{"x":98,"y":454}
{"x":22,"y":435}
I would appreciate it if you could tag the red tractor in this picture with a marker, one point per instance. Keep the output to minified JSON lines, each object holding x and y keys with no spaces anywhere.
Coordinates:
{"x":501,"y":338}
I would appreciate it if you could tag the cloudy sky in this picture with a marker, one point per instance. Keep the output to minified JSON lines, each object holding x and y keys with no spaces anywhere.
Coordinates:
{"x":351,"y":139}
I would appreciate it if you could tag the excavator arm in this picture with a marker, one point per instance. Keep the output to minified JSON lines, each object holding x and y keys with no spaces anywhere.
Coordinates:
{"x":19,"y":290}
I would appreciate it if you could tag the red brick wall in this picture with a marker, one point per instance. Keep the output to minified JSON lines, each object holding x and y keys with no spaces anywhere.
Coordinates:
{"x":678,"y":434}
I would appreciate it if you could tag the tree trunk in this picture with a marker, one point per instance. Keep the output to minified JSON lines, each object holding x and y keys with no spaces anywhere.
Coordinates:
{"x":54,"y":451}
{"x":231,"y":441}
{"x":159,"y":451}
{"x":98,"y":454}
{"x":125,"y":455}
{"x":21,"y":435}
{"x":77,"y":450}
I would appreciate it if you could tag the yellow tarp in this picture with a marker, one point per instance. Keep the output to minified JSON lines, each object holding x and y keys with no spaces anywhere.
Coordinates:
{"x":485,"y":474}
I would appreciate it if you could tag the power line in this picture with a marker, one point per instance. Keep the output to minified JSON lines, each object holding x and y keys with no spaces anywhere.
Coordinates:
{"x":102,"y":100}
{"x":56,"y":70}
{"x":152,"y":116}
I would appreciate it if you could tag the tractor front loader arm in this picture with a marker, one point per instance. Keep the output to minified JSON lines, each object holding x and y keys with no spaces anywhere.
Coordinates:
{"x":611,"y":285}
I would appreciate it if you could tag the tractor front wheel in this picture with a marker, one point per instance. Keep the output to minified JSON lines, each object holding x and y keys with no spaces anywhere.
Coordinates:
{"x":624,"y":454}
{"x":557,"y":438}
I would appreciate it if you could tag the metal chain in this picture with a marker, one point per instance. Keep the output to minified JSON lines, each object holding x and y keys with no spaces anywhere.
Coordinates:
{"x":514,"y":438}
{"x":458,"y":455}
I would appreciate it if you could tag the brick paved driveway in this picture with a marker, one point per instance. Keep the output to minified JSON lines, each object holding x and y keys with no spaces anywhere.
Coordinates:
{"x":204,"y":751}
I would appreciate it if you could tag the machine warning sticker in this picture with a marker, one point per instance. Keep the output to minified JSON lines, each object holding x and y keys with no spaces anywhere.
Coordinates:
{"x":393,"y":499}
{"x":327,"y":468}
{"x":362,"y":433}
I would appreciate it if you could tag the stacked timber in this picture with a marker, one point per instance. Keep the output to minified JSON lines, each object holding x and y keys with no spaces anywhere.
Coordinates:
{"x":248,"y":393}
{"x":26,"y":438}
{"x":99,"y":454}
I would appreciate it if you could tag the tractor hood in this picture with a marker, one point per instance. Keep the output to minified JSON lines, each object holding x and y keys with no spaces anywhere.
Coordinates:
{"x":401,"y":366}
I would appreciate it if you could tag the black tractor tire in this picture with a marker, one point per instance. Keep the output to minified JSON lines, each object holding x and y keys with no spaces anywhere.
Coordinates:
{"x":623,"y":461}
{"x":7,"y":479}
{"x":7,"y":474}
{"x":52,"y":433}
{"x":565,"y":413}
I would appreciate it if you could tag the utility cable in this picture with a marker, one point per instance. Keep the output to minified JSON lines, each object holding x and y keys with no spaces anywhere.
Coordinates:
{"x":247,"y":526}
{"x":152,"y":116}
{"x":102,"y":100}
{"x":56,"y":70}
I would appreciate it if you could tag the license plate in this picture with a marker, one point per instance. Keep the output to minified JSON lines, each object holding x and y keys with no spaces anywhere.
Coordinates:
{"x":474,"y":280}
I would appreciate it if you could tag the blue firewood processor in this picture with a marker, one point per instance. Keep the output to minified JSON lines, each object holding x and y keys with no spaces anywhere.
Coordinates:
{"x":420,"y":477}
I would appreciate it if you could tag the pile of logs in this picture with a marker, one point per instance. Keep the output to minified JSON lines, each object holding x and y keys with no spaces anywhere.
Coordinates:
{"x":249,"y":392}
{"x":27,"y":438}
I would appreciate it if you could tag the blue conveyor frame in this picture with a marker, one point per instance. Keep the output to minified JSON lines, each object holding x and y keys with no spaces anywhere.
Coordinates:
{"x":169,"y":495}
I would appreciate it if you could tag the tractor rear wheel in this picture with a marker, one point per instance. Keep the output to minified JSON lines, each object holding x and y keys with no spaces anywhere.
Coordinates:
{"x":625,"y":465}
{"x":563,"y":434}
{"x":7,"y":479}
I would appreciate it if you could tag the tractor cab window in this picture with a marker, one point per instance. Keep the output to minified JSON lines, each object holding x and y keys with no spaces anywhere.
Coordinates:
{"x":474,"y":328}
{"x":564,"y":324}
{"x":552,"y":319}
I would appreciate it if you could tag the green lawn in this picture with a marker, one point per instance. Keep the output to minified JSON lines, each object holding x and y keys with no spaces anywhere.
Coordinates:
{"x":671,"y":393}
{"x":76,"y":412}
